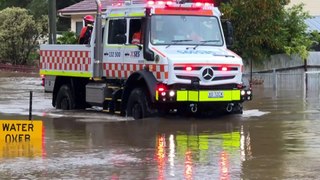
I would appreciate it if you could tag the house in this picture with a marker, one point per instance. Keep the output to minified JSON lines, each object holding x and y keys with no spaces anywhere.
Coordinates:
{"x":77,"y":11}
{"x":312,"y":6}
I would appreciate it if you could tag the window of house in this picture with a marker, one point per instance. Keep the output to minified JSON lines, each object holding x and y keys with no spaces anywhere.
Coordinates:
{"x":78,"y":27}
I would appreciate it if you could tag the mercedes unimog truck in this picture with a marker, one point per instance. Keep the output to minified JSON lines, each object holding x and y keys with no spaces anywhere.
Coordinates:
{"x":180,"y":64}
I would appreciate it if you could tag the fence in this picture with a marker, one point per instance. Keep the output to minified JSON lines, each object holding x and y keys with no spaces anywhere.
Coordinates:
{"x":288,"y":73}
{"x":20,"y":68}
{"x":306,"y":82}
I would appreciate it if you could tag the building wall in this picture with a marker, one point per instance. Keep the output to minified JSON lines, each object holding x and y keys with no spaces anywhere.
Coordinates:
{"x":312,"y":6}
{"x":74,"y":20}
{"x":78,"y":19}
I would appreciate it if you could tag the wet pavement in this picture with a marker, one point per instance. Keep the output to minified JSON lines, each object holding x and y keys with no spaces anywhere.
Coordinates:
{"x":277,"y":137}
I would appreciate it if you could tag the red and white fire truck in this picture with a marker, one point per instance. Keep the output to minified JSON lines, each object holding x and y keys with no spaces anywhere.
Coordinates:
{"x":182,"y":62}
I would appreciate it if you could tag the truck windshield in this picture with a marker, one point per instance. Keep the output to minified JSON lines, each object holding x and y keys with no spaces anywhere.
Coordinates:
{"x":185,"y":30}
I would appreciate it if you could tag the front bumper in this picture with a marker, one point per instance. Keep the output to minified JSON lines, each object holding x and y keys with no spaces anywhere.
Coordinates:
{"x":234,"y":95}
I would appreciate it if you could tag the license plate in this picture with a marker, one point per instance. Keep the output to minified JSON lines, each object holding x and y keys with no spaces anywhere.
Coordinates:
{"x":215,"y":94}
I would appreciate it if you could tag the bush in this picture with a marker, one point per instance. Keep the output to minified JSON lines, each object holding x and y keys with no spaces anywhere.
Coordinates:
{"x":19,"y":33}
{"x":67,"y":38}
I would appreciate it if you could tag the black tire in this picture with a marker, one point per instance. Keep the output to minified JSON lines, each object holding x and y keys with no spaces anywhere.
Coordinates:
{"x":65,"y":99}
{"x":138,"y":104}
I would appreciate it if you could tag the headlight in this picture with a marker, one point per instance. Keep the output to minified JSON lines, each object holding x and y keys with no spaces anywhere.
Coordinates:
{"x":171,"y":93}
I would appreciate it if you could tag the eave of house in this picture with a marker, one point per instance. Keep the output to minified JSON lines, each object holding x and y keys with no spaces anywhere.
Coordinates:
{"x":83,"y":7}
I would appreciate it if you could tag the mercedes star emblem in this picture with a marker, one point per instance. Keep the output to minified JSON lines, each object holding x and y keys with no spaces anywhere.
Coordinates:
{"x":207,"y":74}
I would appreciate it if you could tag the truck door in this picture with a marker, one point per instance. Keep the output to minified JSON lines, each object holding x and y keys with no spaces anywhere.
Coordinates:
{"x":116,"y":38}
{"x":133,"y":51}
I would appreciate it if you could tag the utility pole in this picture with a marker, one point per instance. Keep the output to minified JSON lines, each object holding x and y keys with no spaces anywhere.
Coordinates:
{"x":52,"y":11}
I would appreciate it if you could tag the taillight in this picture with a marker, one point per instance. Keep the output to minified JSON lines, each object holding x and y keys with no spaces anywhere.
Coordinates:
{"x":42,"y":79}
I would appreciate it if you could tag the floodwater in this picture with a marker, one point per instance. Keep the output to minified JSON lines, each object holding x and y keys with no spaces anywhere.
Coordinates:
{"x":277,"y":137}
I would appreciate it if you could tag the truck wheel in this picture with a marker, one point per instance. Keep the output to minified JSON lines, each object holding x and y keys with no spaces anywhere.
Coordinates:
{"x":138,"y":104}
{"x":65,"y":99}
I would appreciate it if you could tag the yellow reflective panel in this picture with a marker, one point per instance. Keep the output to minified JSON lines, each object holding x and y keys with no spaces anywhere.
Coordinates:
{"x":236,"y":94}
{"x":157,"y":95}
{"x":117,"y":15}
{"x":193,"y":96}
{"x":136,"y":14}
{"x":182,"y":95}
{"x":66,"y":73}
{"x":204,"y":96}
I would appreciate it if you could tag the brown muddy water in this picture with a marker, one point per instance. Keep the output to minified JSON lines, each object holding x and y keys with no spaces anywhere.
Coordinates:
{"x":277,"y":137}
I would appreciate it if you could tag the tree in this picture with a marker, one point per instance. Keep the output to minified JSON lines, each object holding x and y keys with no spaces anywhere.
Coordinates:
{"x":298,"y":40}
{"x":19,"y":33}
{"x":265,"y":27}
{"x":315,"y":38}
{"x":40,"y":7}
{"x":13,"y":3}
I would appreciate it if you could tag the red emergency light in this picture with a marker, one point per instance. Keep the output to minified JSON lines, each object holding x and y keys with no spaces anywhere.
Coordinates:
{"x":168,"y":3}
{"x":224,"y":68}
{"x":161,"y":87}
{"x":205,"y":3}
{"x":188,"y":68}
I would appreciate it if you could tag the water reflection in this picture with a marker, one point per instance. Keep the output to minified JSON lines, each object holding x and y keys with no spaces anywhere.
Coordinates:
{"x":182,"y":149}
{"x":157,"y":148}
{"x":198,"y":149}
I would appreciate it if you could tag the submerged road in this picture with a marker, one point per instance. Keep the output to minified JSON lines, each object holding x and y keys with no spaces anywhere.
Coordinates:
{"x":277,"y":137}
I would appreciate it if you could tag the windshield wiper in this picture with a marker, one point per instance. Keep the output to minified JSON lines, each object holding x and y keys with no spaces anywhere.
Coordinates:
{"x":177,"y":41}
{"x":204,"y":42}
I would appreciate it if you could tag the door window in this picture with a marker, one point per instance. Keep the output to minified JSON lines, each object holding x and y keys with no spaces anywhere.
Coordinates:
{"x":117,"y":31}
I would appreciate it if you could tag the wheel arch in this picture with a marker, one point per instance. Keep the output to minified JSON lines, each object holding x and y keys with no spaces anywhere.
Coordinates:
{"x":139,"y":79}
{"x":74,"y":83}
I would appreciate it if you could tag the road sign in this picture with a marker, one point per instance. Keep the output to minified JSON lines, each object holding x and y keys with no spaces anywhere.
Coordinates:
{"x":21,"y":138}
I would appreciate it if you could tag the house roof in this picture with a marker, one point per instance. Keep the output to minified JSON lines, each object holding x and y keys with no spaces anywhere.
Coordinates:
{"x":82,"y":7}
{"x":313,"y":23}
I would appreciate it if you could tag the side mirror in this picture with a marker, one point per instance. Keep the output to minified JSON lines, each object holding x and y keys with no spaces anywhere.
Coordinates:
{"x":228,"y":32}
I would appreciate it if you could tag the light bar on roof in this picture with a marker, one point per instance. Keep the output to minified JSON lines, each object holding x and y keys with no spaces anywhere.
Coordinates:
{"x":175,"y":3}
